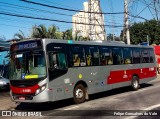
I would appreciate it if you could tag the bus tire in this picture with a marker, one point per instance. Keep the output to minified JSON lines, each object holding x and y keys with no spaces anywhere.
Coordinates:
{"x":135,"y":83}
{"x":79,"y":94}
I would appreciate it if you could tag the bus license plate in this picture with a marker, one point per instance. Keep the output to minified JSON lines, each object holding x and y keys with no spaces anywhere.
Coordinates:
{"x":21,"y":98}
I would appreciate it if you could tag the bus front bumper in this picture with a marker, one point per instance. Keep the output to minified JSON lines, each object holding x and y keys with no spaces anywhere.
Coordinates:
{"x":41,"y":97}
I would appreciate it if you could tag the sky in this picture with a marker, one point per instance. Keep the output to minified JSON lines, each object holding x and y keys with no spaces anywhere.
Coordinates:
{"x":10,"y":25}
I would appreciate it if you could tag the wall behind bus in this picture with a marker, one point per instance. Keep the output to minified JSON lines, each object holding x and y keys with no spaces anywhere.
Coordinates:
{"x":4,"y":61}
{"x":2,"y":57}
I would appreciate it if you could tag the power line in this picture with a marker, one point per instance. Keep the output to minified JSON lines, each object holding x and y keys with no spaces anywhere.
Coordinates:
{"x":45,"y":11}
{"x":137,"y":16}
{"x":46,"y":19}
{"x":152,"y":7}
{"x":43,"y":16}
{"x":149,"y":8}
{"x":20,"y":21}
{"x":149,"y":5}
{"x":133,"y":8}
{"x":66,"y":9}
{"x":33,"y":9}
{"x":30,"y":22}
{"x":57,"y":3}
{"x":12,"y":26}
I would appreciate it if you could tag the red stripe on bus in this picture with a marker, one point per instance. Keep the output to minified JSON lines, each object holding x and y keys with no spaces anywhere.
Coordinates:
{"x":25,"y":90}
{"x":126,"y":75}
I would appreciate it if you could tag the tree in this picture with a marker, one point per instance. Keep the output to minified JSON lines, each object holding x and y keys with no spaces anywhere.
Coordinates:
{"x":78,"y":36}
{"x":20,"y":35}
{"x":110,"y":37}
{"x":42,"y":31}
{"x":53,"y":32}
{"x":67,"y":35}
{"x":39,"y":31}
{"x":139,"y":32}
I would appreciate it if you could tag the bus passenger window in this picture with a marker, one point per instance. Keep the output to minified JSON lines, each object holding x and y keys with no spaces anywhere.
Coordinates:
{"x":76,"y":60}
{"x":110,"y":61}
{"x":117,"y":56}
{"x":78,"y":56}
{"x":57,"y":60}
{"x":88,"y":58}
{"x":145,"y":56}
{"x":105,"y":56}
{"x":52,"y":60}
{"x":95,"y":56}
{"x":136,"y":56}
{"x":103,"y":60}
{"x":152,"y":57}
{"x":127,"y":55}
{"x":62,"y":61}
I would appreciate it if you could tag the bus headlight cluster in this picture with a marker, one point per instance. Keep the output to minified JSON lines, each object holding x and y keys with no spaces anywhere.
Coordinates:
{"x":2,"y":83}
{"x":39,"y":90}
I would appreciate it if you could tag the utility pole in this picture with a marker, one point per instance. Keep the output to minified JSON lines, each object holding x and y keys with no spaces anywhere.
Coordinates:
{"x":96,"y":21}
{"x":156,"y":2}
{"x":148,"y":40}
{"x":126,"y":33}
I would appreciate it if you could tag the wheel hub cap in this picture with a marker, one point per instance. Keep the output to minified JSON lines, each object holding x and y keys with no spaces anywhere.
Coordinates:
{"x":135,"y":84}
{"x":79,"y":93}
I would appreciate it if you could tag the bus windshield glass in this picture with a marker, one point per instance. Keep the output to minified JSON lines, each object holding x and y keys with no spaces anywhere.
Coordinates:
{"x":27,"y":65}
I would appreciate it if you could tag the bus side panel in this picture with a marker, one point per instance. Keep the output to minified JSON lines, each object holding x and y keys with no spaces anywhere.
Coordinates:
{"x":98,"y":79}
{"x":94,"y":77}
{"x":120,"y":77}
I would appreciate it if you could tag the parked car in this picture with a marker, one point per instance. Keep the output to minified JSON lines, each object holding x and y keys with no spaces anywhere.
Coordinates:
{"x":4,"y":83}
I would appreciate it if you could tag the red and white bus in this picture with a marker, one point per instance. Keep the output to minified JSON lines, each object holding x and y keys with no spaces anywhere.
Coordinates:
{"x":44,"y":70}
{"x":157,"y":54}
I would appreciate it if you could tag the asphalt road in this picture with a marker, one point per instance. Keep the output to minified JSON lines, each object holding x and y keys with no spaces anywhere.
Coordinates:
{"x":103,"y":105}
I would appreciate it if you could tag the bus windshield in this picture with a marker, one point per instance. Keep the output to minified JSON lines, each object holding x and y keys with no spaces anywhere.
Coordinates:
{"x":27,"y":65}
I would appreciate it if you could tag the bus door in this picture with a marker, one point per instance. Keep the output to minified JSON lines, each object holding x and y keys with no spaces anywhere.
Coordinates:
{"x":57,"y":69}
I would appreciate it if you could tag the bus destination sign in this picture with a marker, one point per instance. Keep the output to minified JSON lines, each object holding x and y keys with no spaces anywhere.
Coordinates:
{"x":25,"y":45}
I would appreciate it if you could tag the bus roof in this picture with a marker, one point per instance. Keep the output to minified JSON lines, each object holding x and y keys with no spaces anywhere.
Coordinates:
{"x":96,"y":42}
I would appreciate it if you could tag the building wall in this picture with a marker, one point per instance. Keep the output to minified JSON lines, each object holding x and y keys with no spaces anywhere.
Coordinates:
{"x":2,"y":57}
{"x":83,"y":29}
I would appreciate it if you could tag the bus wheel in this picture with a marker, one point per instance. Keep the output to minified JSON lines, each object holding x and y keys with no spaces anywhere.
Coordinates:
{"x":135,"y":83}
{"x":79,"y":94}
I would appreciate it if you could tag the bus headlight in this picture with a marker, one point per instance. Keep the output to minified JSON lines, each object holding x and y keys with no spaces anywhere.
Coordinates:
{"x":39,"y":90}
{"x":1,"y":82}
{"x":43,"y":87}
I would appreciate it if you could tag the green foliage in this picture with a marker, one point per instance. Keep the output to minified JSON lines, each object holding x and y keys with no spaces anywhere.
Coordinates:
{"x":52,"y":32}
{"x":140,"y":31}
{"x":67,"y":35}
{"x":20,"y":35}
{"x":78,"y":37}
{"x":42,"y":31}
{"x":110,"y":37}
